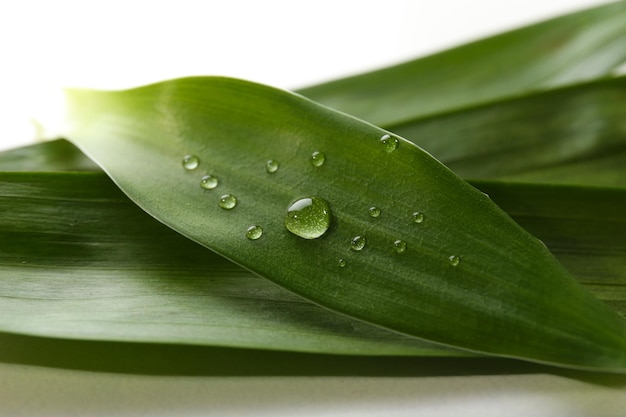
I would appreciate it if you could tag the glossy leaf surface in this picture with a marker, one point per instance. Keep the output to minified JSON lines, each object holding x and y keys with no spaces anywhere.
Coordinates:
{"x":466,"y":274}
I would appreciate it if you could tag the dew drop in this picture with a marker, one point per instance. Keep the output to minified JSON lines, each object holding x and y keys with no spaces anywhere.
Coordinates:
{"x":389,"y":143}
{"x":271,"y":166}
{"x":190,"y":162}
{"x":318,"y":158}
{"x":308,"y":217}
{"x":399,"y":246}
{"x":254,"y":232}
{"x":357,"y":243}
{"x":228,"y":201}
{"x":341,"y":263}
{"x":208,"y":182}
{"x":374,"y":211}
{"x":417,"y":217}
{"x":454,"y":260}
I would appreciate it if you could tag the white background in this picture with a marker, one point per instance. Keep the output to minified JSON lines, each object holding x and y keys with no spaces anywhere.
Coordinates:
{"x":47,"y":45}
{"x":115,"y":44}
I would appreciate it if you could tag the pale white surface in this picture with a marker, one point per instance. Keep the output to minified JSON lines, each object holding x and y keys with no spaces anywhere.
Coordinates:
{"x":114,"y":44}
{"x":29,"y":391}
{"x":46,"y":45}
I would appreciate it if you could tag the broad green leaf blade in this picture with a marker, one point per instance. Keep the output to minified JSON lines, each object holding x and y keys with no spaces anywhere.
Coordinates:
{"x":566,"y":50}
{"x":78,"y":260}
{"x":468,"y":277}
{"x":124,"y":267}
{"x":573,"y":135}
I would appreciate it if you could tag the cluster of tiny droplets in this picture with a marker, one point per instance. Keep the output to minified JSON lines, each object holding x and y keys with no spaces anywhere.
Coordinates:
{"x":310,"y":219}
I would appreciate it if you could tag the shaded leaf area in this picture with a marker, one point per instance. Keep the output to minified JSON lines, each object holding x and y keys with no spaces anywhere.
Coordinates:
{"x":566,"y":50}
{"x":574,"y":135}
{"x":467,"y":276}
{"x":80,"y":261}
{"x":178,"y":359}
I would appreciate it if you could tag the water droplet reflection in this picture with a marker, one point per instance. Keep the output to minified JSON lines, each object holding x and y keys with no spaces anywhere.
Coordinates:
{"x":358,"y":243}
{"x":190,"y":162}
{"x":228,"y":201}
{"x":254,"y":232}
{"x":308,"y":217}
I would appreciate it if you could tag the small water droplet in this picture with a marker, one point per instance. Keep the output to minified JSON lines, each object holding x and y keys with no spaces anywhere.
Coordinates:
{"x":389,"y":143}
{"x":190,"y":162}
{"x":454,"y":260}
{"x":228,"y":201}
{"x":271,"y":166}
{"x":417,"y":217}
{"x":374,"y":211}
{"x":399,"y":246}
{"x":341,"y":263}
{"x":254,"y":232}
{"x":318,"y":159}
{"x":357,"y":243}
{"x":308,"y":217}
{"x":208,"y":182}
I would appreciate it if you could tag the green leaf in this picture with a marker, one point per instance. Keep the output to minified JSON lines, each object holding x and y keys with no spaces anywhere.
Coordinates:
{"x":56,"y":155}
{"x":573,"y":135}
{"x":469,"y":276}
{"x":79,"y":253}
{"x":584,"y":228}
{"x":566,"y":50}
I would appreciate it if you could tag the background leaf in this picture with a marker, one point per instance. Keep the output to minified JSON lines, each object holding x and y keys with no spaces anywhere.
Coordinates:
{"x":75,"y":248}
{"x":79,"y":253}
{"x":567,"y":50}
{"x":573,"y":135}
{"x":55,"y":155}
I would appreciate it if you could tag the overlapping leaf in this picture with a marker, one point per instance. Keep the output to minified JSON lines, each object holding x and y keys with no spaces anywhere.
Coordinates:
{"x":101,"y":269}
{"x":469,"y":276}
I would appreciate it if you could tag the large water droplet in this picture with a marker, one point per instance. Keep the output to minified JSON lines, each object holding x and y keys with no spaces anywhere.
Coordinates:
{"x":417,"y":217}
{"x":399,"y":246}
{"x":374,"y":211}
{"x":254,"y":232}
{"x":454,"y":260}
{"x":228,"y":201}
{"x":389,"y":143}
{"x":308,"y":217}
{"x":208,"y":182}
{"x":190,"y":162}
{"x":357,"y":243}
{"x":318,"y":158}
{"x":271,"y":166}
